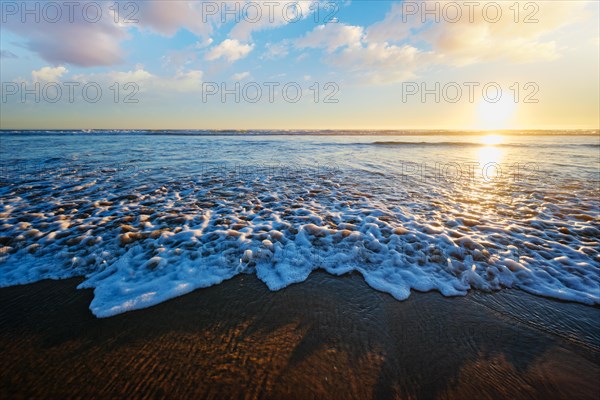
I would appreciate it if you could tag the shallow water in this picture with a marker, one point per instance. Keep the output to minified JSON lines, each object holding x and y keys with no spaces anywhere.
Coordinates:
{"x":147,"y":217}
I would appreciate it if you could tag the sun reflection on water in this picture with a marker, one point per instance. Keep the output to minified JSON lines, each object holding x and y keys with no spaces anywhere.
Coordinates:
{"x":489,"y":155}
{"x":491,"y":152}
{"x":492,"y":140}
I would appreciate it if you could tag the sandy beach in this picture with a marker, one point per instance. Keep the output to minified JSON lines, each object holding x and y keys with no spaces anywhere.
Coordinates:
{"x":330,"y":337}
{"x":302,"y":200}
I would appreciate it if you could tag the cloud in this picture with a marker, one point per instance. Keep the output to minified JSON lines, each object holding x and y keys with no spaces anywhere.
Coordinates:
{"x":5,"y":54}
{"x":474,"y":38}
{"x":240,"y":76}
{"x":266,"y":14}
{"x":203,"y":44}
{"x":77,"y":38}
{"x":395,"y":25}
{"x":179,"y":59}
{"x":181,"y":82}
{"x":77,"y":41}
{"x":346,"y":48}
{"x":48,"y":74}
{"x":168,"y":17}
{"x":276,"y":50}
{"x":402,"y":44}
{"x":229,"y":49}
{"x":331,"y":37}
{"x":381,"y":63}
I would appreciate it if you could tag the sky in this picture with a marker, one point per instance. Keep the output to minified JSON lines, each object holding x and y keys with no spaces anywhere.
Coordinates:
{"x":300,"y":65}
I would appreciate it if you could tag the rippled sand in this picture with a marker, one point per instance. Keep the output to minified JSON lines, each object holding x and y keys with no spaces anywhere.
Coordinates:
{"x":330,"y":337}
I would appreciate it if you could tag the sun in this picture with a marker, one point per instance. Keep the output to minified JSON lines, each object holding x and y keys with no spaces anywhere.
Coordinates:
{"x":493,"y":116}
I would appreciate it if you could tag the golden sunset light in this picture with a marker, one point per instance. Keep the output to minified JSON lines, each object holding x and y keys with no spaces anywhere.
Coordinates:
{"x":311,"y":199}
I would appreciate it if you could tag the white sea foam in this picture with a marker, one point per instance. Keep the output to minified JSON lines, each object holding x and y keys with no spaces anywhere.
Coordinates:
{"x":143,"y":237}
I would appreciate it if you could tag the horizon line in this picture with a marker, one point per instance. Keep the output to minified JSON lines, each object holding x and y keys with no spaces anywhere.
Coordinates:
{"x":324,"y":130}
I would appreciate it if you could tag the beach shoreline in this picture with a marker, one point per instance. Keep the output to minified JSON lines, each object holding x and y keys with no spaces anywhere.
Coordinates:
{"x":330,"y":337}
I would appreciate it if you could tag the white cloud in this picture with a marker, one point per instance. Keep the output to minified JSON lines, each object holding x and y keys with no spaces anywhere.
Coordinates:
{"x":270,"y":15}
{"x":229,"y":49}
{"x":181,"y":82}
{"x":240,"y":76}
{"x":395,"y":26}
{"x":347,"y":48}
{"x":185,"y":81}
{"x":400,"y":46}
{"x":204,"y":43}
{"x":331,"y":37}
{"x":381,"y":63}
{"x":48,"y":74}
{"x":474,"y":38}
{"x":179,"y":59}
{"x":276,"y":50}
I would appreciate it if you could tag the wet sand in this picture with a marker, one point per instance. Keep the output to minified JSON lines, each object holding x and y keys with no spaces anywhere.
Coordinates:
{"x":329,"y":337}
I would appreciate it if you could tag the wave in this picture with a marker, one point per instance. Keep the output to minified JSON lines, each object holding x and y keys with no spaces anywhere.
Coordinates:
{"x":478,"y":144}
{"x":296,"y":132}
{"x":397,"y":143}
{"x":139,"y":245}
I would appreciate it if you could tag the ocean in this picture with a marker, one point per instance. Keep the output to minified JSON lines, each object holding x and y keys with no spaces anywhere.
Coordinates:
{"x":146,"y":216}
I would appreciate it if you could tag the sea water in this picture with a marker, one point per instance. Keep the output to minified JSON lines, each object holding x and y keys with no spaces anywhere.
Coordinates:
{"x":145,"y":216}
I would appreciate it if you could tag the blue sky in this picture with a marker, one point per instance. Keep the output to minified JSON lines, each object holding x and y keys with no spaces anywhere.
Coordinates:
{"x":363,"y":59}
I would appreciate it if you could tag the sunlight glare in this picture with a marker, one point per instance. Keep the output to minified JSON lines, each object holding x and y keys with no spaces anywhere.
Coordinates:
{"x":492,"y":140}
{"x":497,"y":115}
{"x":489,"y":155}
